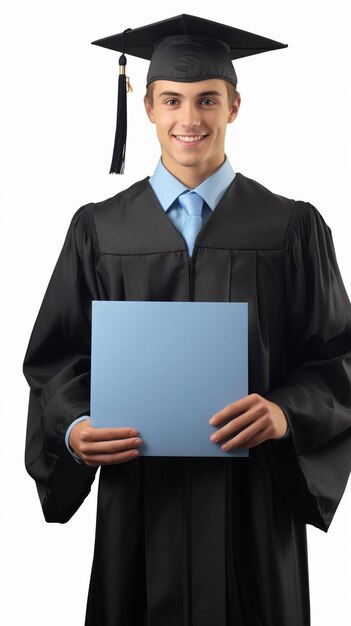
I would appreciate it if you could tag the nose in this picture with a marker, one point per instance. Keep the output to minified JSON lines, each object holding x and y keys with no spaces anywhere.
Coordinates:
{"x":190,"y":116}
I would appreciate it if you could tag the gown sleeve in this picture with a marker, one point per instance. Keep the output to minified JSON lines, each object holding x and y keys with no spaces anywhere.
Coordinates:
{"x":312,"y":466}
{"x":57,"y":368}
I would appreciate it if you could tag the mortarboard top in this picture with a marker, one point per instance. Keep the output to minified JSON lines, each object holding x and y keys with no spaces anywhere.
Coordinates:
{"x":140,"y":42}
{"x":184,"y":48}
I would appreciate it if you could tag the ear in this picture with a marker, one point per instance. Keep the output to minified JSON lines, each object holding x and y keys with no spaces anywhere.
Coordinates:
{"x":234,"y":110}
{"x":149,"y":108}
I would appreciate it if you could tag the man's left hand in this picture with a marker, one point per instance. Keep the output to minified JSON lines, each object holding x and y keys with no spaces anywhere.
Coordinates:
{"x":254,"y":420}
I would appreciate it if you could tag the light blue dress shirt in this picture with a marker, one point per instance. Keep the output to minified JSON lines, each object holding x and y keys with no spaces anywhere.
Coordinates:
{"x":167,"y":188}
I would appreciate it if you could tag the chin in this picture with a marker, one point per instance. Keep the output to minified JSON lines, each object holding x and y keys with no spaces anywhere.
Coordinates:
{"x":189,"y":162}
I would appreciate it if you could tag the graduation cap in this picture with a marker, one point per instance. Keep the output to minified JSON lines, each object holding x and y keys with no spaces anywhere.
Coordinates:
{"x":184,"y":48}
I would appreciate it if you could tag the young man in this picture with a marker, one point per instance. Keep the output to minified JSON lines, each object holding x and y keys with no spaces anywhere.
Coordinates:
{"x":199,"y":541}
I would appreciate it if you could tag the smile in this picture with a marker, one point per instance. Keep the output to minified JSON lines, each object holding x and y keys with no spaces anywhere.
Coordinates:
{"x":190,"y":138}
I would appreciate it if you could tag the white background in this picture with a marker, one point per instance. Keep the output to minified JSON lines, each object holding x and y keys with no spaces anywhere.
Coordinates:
{"x":58,"y":104}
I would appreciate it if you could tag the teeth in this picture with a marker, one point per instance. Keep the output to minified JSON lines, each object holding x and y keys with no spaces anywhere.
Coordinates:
{"x":188,"y":139}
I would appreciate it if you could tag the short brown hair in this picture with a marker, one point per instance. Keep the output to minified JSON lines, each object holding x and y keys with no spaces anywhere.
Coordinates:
{"x":233,"y":94}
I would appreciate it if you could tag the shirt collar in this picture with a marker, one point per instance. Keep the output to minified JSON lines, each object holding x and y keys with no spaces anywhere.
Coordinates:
{"x":167,"y":187}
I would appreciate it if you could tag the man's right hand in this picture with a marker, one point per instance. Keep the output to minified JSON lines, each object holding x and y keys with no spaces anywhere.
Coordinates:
{"x":103,"y":446}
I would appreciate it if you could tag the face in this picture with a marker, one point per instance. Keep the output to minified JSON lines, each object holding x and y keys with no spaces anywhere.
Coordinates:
{"x":191,"y":121}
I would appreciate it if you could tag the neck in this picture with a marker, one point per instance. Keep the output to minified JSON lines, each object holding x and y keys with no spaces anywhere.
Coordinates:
{"x":191,"y":177}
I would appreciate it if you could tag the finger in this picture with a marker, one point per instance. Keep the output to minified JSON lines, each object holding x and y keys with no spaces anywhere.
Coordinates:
{"x":233,"y":409}
{"x":111,"y":459}
{"x":108,"y":447}
{"x":237,"y":424}
{"x":261,"y":437}
{"x":90,"y":433}
{"x":242,"y":438}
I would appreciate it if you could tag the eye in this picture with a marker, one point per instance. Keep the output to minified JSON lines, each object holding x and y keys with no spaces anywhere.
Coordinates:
{"x":171,"y":102}
{"x":207,"y":102}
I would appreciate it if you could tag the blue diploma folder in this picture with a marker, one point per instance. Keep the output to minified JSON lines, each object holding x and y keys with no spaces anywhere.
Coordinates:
{"x":165,"y":368}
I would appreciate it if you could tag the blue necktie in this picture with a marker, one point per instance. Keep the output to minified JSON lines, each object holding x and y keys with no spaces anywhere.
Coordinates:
{"x":192,"y":204}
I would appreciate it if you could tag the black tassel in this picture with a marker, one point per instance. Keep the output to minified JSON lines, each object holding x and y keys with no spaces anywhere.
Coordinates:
{"x":119,"y":150}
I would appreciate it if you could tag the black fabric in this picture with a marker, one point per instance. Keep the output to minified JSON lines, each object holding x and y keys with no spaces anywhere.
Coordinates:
{"x":185,"y":58}
{"x":194,"y":541}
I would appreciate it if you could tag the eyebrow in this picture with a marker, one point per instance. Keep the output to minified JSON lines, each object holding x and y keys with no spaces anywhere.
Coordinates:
{"x":199,"y":95}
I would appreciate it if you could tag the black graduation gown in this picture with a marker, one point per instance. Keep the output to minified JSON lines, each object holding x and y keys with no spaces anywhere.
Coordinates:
{"x":202,"y":541}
